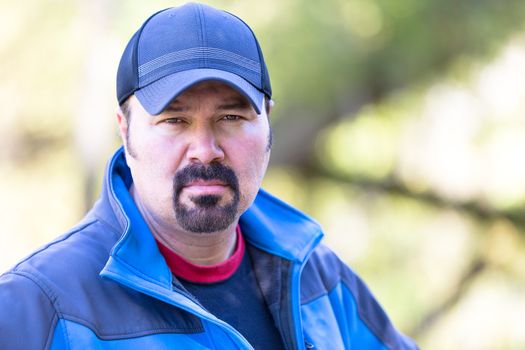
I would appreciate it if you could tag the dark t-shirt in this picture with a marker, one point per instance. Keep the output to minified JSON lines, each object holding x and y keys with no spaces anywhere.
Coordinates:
{"x":239,"y":302}
{"x":231,"y":292}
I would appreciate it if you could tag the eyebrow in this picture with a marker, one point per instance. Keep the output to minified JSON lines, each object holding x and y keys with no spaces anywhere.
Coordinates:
{"x":234,"y":104}
{"x":175,"y":106}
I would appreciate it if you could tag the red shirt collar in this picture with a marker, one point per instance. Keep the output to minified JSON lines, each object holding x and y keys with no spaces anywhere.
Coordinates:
{"x":183,"y":268}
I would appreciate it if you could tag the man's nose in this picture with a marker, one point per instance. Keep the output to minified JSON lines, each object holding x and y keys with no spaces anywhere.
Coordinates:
{"x":204,"y":147}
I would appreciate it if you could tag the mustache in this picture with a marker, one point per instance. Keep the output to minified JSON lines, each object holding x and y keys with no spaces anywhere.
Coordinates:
{"x":213,"y":171}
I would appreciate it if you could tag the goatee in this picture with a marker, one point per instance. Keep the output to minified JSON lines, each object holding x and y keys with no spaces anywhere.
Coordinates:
{"x":207,"y":215}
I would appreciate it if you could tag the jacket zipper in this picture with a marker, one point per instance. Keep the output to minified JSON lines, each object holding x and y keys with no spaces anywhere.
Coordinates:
{"x":166,"y":298}
{"x":295,"y":304}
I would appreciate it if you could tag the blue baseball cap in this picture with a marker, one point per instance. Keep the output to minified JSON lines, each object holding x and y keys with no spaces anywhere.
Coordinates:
{"x":182,"y":46}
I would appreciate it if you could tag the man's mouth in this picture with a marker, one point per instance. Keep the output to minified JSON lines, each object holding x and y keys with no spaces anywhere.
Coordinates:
{"x":205,"y":187}
{"x":199,"y":181}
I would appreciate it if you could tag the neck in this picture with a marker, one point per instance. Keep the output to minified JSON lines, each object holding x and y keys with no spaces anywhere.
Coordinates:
{"x":209,"y":248}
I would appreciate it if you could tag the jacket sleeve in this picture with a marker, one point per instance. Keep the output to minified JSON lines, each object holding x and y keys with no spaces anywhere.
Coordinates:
{"x":339,"y":311}
{"x":27,"y":315}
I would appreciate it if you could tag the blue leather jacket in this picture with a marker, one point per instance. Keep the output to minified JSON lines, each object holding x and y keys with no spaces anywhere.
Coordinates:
{"x":104,"y":285}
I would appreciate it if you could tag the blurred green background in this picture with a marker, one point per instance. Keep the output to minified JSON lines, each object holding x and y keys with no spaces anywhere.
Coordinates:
{"x":399,"y":125}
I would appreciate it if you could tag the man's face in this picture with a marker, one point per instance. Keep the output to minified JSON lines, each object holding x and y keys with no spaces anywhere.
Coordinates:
{"x":199,"y":164}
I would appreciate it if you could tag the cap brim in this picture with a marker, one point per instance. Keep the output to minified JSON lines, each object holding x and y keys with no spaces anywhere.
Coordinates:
{"x":156,"y":96}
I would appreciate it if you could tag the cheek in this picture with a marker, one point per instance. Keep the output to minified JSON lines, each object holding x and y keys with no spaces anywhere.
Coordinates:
{"x":250,"y":162}
{"x":154,"y":167}
{"x":161,"y":155}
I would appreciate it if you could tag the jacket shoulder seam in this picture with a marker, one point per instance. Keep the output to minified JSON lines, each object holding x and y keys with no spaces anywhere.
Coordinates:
{"x":47,"y":292}
{"x":41,"y":285}
{"x":369,"y":324}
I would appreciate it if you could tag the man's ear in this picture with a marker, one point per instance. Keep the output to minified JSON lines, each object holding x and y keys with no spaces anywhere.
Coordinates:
{"x":270,"y":106}
{"x":122,"y":124}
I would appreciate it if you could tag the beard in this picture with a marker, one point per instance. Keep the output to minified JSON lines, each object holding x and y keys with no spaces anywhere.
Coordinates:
{"x":206,"y":214}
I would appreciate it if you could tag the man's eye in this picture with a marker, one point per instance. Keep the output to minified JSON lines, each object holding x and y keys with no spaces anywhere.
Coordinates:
{"x":173,"y":121}
{"x":231,"y":117}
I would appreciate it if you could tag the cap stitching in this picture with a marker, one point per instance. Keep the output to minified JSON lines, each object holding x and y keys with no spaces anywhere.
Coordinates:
{"x":204,"y":34}
{"x":198,"y":52}
{"x":201,"y":33}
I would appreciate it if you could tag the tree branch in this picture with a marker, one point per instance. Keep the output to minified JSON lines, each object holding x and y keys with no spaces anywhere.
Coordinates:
{"x":476,"y":268}
{"x":474,"y":209}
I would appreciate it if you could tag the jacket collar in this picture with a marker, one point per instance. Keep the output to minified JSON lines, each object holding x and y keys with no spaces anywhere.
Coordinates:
{"x":269,"y":224}
{"x":277,"y":228}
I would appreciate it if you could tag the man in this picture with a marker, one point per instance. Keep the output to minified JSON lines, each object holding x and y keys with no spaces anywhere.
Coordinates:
{"x":184,"y":250}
